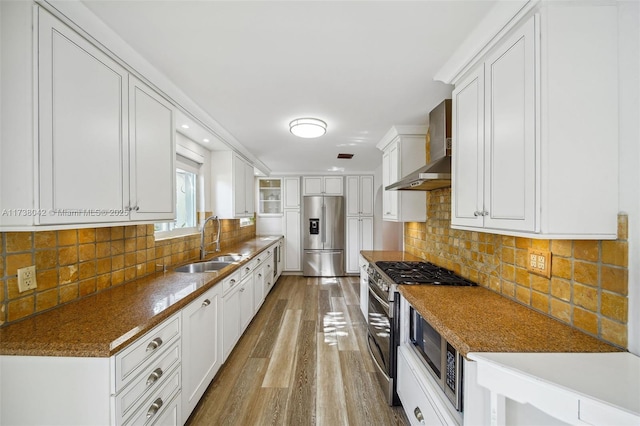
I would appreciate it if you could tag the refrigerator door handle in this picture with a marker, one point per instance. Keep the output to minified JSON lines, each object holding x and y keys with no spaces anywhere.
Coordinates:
{"x":323,"y":224}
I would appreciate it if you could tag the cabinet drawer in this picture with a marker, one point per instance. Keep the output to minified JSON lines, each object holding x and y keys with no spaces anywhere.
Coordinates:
{"x":155,"y":406}
{"x":247,"y":269}
{"x":150,"y":379}
{"x":417,"y":405}
{"x":131,"y":360}
{"x":230,"y":282}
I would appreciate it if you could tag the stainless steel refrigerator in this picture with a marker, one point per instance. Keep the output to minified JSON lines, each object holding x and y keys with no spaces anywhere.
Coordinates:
{"x":323,"y":236}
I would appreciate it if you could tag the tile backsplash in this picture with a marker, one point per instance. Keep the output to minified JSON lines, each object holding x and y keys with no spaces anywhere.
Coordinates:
{"x":589,"y":279}
{"x":75,"y":263}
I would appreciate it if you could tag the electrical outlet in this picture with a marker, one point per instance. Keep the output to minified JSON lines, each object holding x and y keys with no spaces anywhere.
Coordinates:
{"x":539,"y":262}
{"x":27,"y":278}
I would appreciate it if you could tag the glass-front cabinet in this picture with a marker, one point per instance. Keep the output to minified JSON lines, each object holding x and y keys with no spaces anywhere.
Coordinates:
{"x":269,"y":197}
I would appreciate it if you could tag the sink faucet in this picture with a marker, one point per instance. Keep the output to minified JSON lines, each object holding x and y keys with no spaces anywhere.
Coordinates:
{"x":203,"y":246}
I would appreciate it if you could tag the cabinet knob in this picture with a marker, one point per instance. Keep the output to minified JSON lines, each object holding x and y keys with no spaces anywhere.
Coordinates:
{"x":418,"y":413}
{"x":154,"y":344}
{"x":206,"y":303}
{"x":157,"y":404}
{"x":242,"y":289}
{"x":153,"y":377}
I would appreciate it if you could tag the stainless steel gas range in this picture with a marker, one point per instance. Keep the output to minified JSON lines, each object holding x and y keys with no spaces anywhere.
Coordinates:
{"x":384,"y":307}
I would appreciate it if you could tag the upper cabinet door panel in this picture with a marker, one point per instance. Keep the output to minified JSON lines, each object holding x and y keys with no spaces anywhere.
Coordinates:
{"x":366,"y":195}
{"x":152,"y":154}
{"x":291,"y":193}
{"x":468,"y":156}
{"x":510,"y":133}
{"x":82,"y":109}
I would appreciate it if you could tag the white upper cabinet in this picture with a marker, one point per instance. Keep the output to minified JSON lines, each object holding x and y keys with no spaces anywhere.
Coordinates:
{"x":402,"y":153}
{"x":359,"y":196}
{"x":495,"y":142}
{"x":535,"y":136}
{"x":152,"y":154}
{"x":322,"y":185}
{"x":83,"y":128}
{"x":291,"y":192}
{"x":233,"y":185}
{"x":105,"y":148}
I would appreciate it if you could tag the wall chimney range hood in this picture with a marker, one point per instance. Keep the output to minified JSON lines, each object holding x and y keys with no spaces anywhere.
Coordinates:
{"x":436,"y":174}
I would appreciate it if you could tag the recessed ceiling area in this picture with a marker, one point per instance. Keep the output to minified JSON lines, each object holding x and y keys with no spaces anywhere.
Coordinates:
{"x":360,"y":66}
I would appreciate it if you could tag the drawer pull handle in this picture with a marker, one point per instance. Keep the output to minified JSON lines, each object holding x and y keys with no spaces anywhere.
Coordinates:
{"x":153,"y":377}
{"x":419,"y":415}
{"x":232,"y":281}
{"x":206,"y":303}
{"x":154,"y":344}
{"x":157,"y":404}
{"x":247,"y":269}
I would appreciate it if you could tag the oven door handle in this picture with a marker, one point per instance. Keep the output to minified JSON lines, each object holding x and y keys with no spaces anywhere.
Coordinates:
{"x":384,"y":303}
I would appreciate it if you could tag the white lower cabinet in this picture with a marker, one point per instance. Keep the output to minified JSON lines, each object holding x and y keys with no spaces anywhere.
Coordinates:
{"x":237,"y":313}
{"x":246,"y":302}
{"x":259,"y":278}
{"x":139,"y":381}
{"x":201,"y":346}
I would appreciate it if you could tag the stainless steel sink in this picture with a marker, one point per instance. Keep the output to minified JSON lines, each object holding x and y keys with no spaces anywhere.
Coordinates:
{"x":227,"y":258}
{"x":203,"y":266}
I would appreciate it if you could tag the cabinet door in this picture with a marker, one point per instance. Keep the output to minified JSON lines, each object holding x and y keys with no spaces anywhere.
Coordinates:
{"x":394,"y":155}
{"x":386,"y":180}
{"x":292,"y":193}
{"x":366,"y":233}
{"x":366,"y":195}
{"x":152,"y":154}
{"x":249,"y":185}
{"x":239,"y":188}
{"x":83,"y":136}
{"x":467,"y":164}
{"x":353,"y":244}
{"x":353,"y":195}
{"x":230,"y":321}
{"x":246,"y":302}
{"x":510,"y":133}
{"x":312,"y":185}
{"x":201,"y":354}
{"x":333,"y":185}
{"x":292,"y":261}
{"x":259,"y":286}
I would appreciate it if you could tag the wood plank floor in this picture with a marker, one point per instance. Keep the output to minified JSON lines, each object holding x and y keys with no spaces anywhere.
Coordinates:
{"x":303,"y":360}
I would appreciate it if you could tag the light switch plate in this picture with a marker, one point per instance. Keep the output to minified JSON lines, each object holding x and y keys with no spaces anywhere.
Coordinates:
{"x":27,"y":278}
{"x":539,"y":262}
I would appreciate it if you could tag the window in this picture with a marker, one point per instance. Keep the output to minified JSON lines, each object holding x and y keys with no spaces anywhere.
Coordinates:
{"x":186,"y":201}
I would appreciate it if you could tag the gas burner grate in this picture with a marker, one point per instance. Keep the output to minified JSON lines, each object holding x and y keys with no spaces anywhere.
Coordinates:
{"x":421,"y":273}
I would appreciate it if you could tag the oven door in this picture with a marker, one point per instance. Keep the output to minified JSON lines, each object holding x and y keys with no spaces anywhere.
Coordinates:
{"x":379,"y":325}
{"x":382,"y":339}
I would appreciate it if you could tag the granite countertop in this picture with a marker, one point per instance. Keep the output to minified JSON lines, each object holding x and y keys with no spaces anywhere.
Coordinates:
{"x":104,"y":323}
{"x":475,"y":319}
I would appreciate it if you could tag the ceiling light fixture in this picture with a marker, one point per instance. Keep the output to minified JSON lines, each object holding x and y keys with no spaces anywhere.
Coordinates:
{"x":308,"y":127}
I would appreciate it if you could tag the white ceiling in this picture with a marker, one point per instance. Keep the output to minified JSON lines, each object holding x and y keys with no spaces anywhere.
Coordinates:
{"x":361,"y":66}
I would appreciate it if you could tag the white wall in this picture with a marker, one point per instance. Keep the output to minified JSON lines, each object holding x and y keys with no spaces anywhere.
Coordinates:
{"x":629,"y":110}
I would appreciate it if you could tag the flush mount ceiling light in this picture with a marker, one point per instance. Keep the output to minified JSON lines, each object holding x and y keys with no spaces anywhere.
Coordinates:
{"x":308,"y":127}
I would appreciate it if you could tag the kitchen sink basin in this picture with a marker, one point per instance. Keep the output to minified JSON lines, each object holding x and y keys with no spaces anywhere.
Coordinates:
{"x":203,"y":266}
{"x":227,"y":258}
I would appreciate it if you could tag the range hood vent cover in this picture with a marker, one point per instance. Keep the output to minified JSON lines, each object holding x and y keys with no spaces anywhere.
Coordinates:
{"x":436,"y":174}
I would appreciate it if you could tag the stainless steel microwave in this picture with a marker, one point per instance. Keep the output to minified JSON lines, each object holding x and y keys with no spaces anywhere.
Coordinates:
{"x":441,"y":359}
